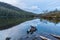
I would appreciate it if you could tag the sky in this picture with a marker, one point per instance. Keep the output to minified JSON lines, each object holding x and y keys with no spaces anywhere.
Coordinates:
{"x":36,"y":6}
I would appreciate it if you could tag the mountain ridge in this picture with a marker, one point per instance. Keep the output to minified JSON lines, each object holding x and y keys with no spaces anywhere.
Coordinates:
{"x":11,"y":16}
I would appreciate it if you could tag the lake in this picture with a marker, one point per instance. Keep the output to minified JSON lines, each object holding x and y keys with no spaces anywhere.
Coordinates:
{"x":44,"y":28}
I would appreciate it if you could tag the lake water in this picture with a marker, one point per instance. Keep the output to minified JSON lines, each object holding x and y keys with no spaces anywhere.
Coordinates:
{"x":44,"y":28}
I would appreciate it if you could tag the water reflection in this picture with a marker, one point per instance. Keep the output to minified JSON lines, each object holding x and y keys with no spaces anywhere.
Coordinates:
{"x":44,"y":28}
{"x":6,"y":23}
{"x":54,"y":20}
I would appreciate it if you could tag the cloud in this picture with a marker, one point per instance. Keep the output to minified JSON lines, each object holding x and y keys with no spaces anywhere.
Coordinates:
{"x":18,"y":3}
{"x":35,"y":5}
{"x":10,"y":1}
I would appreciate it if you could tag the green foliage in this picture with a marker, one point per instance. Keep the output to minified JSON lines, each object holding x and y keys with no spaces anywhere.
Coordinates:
{"x":11,"y":16}
{"x":52,"y":16}
{"x":55,"y":13}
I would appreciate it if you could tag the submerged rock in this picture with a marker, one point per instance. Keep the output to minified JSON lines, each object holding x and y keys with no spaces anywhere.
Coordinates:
{"x":8,"y":38}
{"x":56,"y":36}
{"x":32,"y":30}
{"x":44,"y":38}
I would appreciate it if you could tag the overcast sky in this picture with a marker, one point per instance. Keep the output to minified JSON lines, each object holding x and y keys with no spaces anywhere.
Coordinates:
{"x":35,"y":6}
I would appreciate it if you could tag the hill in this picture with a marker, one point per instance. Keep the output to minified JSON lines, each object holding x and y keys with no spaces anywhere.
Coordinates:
{"x":11,"y":16}
{"x":51,"y":14}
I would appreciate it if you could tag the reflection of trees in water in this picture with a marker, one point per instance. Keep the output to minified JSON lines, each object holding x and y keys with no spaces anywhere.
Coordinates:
{"x":11,"y":22}
{"x":44,"y":21}
{"x":54,"y":20}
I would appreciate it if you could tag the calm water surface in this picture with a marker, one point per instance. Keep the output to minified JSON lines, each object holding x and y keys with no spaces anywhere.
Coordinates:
{"x":44,"y":28}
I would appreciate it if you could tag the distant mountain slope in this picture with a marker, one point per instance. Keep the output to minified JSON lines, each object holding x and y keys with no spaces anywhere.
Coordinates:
{"x":11,"y":16}
{"x":55,"y":13}
{"x":5,"y":5}
{"x":9,"y":6}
